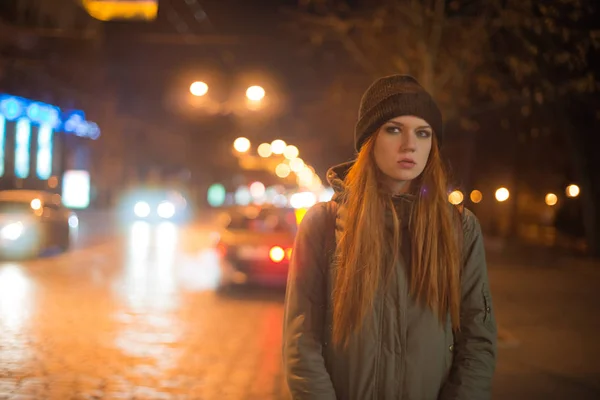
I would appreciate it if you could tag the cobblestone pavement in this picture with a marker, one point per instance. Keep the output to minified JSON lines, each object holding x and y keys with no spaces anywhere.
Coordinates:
{"x":136,"y":318}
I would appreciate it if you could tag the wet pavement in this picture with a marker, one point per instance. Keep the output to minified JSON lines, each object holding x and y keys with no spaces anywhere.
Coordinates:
{"x":136,"y":317}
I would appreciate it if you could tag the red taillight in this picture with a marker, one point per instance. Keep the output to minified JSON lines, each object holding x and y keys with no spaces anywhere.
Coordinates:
{"x":276,"y":254}
{"x":221,"y":249}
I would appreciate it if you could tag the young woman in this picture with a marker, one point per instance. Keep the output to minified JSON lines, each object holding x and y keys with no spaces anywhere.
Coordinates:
{"x":388,"y":294}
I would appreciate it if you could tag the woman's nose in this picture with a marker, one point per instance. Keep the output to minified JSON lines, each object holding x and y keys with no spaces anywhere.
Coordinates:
{"x":409,"y":143}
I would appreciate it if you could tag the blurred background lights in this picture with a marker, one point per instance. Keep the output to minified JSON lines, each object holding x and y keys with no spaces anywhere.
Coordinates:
{"x":243,"y":196}
{"x":255,"y":93}
{"x":282,"y":170}
{"x":297,"y":164}
{"x":456,"y":197}
{"x":551,"y":199}
{"x":303,"y":200}
{"x":476,"y":196}
{"x":257,"y":190}
{"x":216,"y":195}
{"x":241,"y":144}
{"x":572,"y":191}
{"x":278,"y":146}
{"x":502,"y":194}
{"x":264,"y":150}
{"x":291,"y":152}
{"x":199,"y":89}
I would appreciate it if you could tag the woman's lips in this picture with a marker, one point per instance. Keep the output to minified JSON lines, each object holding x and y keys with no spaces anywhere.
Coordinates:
{"x":406,"y":164}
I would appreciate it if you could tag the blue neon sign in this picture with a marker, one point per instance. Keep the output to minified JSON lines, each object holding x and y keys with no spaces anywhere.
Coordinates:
{"x":14,"y":108}
{"x":44,"y":153}
{"x":2,"y":141}
{"x":22,"y":139}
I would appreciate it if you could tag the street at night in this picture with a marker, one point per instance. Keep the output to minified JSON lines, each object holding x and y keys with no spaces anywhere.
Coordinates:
{"x":299,"y":200}
{"x":137,"y":316}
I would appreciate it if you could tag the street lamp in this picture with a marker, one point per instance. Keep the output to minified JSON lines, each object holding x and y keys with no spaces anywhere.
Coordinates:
{"x":255,"y":93}
{"x":282,"y":170}
{"x":476,"y":196}
{"x":241,"y":145}
{"x":502,"y":194}
{"x":278,"y":146}
{"x":291,"y":152}
{"x":456,"y":197}
{"x":297,"y":164}
{"x":551,"y":199}
{"x":198,"y":88}
{"x":573,"y":191}
{"x":264,"y":150}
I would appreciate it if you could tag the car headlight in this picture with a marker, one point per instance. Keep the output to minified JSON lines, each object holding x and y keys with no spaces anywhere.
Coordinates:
{"x":141,"y":209}
{"x":12,"y":231}
{"x":166,"y":210}
{"x":73,"y":221}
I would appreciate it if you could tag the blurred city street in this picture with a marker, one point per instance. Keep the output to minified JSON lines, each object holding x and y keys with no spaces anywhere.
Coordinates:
{"x":135,"y":315}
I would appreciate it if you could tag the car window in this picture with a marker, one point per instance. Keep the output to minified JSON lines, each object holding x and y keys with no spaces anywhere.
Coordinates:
{"x":14,"y":206}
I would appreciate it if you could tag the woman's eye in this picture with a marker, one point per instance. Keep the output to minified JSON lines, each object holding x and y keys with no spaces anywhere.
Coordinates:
{"x":392,"y":129}
{"x":424,"y":134}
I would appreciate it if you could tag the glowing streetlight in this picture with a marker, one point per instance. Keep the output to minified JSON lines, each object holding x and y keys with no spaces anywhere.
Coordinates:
{"x":264,"y":150}
{"x":278,"y":146}
{"x":198,"y":88}
{"x":305,"y":177}
{"x":255,"y":93}
{"x":297,"y":164}
{"x":282,"y":170}
{"x":241,"y":145}
{"x":551,"y":199}
{"x":502,"y":194}
{"x":476,"y":196}
{"x":456,"y":197}
{"x":573,"y":191}
{"x":291,"y":152}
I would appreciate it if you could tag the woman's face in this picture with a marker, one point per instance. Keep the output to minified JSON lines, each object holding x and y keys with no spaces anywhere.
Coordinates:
{"x":401,"y":150}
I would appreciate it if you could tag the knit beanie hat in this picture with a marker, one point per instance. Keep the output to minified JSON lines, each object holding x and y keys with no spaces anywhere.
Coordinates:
{"x":394,"y":96}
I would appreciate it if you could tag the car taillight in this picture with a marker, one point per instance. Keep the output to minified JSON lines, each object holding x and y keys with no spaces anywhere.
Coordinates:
{"x":276,"y":254}
{"x":221,"y":249}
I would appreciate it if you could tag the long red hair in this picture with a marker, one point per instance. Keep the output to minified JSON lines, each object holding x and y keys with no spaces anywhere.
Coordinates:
{"x":366,"y":255}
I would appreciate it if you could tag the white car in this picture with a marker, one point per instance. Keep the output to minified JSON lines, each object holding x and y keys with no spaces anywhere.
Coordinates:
{"x":32,"y":221}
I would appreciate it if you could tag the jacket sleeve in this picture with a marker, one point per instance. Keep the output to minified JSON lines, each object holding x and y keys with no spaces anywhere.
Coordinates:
{"x":475,"y":345}
{"x":305,"y":307}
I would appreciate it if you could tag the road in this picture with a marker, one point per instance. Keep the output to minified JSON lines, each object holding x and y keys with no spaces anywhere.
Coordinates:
{"x":135,"y":316}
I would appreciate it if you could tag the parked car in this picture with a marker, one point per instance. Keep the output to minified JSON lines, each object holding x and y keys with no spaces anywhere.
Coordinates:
{"x":33,"y":221}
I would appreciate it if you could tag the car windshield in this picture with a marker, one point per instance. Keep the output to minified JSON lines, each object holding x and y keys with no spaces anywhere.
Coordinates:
{"x":14,"y":206}
{"x":267,"y":221}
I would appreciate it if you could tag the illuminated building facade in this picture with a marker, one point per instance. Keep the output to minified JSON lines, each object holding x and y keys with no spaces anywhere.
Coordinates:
{"x":39,"y":142}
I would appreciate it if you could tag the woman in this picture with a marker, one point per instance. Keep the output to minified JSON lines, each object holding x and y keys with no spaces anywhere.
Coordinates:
{"x":388,"y":294}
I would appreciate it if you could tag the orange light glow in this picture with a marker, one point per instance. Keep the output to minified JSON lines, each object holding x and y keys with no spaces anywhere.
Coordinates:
{"x":276,"y":254}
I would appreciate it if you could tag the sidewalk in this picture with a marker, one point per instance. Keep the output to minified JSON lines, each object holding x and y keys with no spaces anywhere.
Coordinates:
{"x":546,"y":309}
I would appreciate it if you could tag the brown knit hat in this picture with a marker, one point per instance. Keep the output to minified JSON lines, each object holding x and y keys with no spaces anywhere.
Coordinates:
{"x":394,"y":96}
